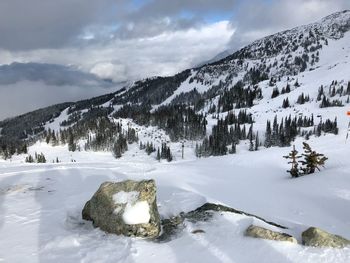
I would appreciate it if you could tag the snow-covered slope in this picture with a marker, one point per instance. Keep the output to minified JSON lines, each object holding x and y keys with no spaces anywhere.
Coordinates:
{"x":40,"y":204}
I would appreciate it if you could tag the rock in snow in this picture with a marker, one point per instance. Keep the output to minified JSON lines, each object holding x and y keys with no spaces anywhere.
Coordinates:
{"x":125,"y":208}
{"x":260,"y":232}
{"x":316,"y":237}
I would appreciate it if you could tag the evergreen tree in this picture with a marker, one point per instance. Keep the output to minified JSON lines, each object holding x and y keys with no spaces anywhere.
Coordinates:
{"x":296,"y":84}
{"x":348,"y":89}
{"x":169,"y":155}
{"x":301,"y":99}
{"x":54,"y":141}
{"x":320,"y":94}
{"x":293,"y":157}
{"x":287,"y":88}
{"x":268,"y":142}
{"x":71,"y":144}
{"x":250,"y":137}
{"x":40,"y":158}
{"x":48,"y":136}
{"x":158,"y":155}
{"x":257,"y":142}
{"x":285,"y":103}
{"x":312,"y":160}
{"x":29,"y":159}
{"x":117,"y":152}
{"x":275,"y":93}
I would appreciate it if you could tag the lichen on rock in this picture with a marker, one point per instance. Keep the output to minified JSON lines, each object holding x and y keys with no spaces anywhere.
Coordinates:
{"x":263,"y":233}
{"x":125,"y":208}
{"x":317,"y":237}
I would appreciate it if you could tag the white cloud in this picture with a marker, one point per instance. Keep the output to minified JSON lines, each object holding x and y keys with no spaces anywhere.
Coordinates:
{"x":108,"y":70}
{"x":132,"y":59}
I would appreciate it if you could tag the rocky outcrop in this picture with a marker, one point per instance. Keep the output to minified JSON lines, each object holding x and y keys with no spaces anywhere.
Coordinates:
{"x":222,"y":208}
{"x":174,"y":225}
{"x":125,"y":208}
{"x":316,"y":237}
{"x":263,"y":233}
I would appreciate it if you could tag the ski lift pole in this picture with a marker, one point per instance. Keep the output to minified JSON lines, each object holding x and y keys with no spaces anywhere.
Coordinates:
{"x":348,"y":131}
{"x":183,"y":150}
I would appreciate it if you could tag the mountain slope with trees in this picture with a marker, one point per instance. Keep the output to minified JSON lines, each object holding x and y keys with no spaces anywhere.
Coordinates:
{"x":219,"y":104}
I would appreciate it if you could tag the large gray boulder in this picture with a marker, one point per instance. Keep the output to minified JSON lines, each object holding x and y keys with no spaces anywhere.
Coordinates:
{"x":263,"y":233}
{"x":316,"y":237}
{"x":125,"y":208}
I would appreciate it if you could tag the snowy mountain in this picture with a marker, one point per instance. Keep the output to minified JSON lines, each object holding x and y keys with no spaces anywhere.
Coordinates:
{"x":247,"y":110}
{"x":218,"y":57}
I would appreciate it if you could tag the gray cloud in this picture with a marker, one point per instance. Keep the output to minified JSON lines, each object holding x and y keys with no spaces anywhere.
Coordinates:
{"x":26,"y":87}
{"x":25,"y":96}
{"x":49,"y":74}
{"x":168,"y":8}
{"x":37,"y":24}
{"x":40,"y":24}
{"x":158,"y":16}
{"x":132,"y":59}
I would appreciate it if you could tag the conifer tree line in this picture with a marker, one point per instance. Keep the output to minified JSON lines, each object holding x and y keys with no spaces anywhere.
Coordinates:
{"x":324,"y":97}
{"x":120,"y":146}
{"x":8,"y":147}
{"x":179,"y":121}
{"x":238,"y":97}
{"x":38,"y":158}
{"x":276,"y":92}
{"x":284,"y":132}
{"x":285,"y":103}
{"x":163,"y":152}
{"x":226,"y":134}
{"x":255,"y":75}
{"x":302,"y":99}
{"x":101,"y":134}
{"x":148,"y":147}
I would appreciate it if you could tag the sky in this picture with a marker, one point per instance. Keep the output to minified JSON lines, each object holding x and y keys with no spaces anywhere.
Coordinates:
{"x":126,"y":40}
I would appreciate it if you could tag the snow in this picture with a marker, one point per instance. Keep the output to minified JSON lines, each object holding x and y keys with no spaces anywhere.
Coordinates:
{"x":125,"y":197}
{"x":187,"y":86}
{"x":137,"y":213}
{"x":41,"y":204}
{"x":55,"y":125}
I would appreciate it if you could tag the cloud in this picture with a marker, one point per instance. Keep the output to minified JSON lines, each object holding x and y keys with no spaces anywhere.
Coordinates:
{"x":108,"y":70}
{"x":25,"y":96}
{"x":49,"y":74}
{"x":26,"y":87}
{"x":159,"y":16}
{"x":116,"y":39}
{"x":133,"y":59}
{"x":37,"y":24}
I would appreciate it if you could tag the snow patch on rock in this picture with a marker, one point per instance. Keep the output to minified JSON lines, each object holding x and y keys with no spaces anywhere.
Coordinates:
{"x":125,"y":197}
{"x":137,"y":213}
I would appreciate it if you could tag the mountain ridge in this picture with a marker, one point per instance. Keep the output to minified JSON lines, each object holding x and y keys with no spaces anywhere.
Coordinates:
{"x":213,"y":88}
